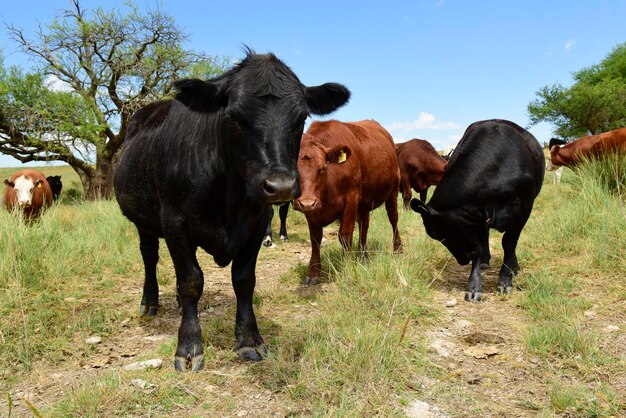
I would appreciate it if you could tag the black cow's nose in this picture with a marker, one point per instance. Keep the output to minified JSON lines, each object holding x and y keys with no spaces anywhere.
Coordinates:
{"x":279,"y":188}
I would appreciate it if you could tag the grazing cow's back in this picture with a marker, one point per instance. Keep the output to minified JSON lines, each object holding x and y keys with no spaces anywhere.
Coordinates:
{"x":491,"y":181}
{"x":27,"y":191}
{"x":421,"y":166}
{"x":590,"y":146}
{"x":201,"y":170}
{"x":346,"y":171}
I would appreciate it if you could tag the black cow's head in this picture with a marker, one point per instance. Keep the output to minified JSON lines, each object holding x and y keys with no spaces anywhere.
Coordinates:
{"x":457,"y":229}
{"x":263,"y":107}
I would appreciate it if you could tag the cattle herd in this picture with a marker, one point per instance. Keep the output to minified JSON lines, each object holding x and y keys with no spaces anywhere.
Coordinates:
{"x":204,"y":169}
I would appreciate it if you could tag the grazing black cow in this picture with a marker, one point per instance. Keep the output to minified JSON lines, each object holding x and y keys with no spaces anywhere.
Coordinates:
{"x":56,"y":185}
{"x":492,"y":179}
{"x":283,"y":210}
{"x":201,"y":170}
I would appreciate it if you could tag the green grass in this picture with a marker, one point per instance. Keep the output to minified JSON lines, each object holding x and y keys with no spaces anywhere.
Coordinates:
{"x":357,"y":348}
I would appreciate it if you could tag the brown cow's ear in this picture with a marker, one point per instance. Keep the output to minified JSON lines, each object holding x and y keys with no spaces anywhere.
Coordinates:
{"x":338,"y":154}
{"x":9,"y":183}
{"x":421,"y":208}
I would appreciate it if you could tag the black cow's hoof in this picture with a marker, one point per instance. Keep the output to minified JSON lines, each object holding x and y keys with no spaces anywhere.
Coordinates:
{"x":473,"y":296}
{"x":148,"y":310}
{"x":312,"y":280}
{"x":183,"y":363}
{"x":284,"y":238}
{"x":267,"y":242}
{"x":252,"y":353}
{"x":484,"y":266}
{"x":502,"y":289}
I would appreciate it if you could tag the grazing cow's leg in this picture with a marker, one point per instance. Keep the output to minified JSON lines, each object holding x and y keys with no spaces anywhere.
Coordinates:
{"x":267,"y":241}
{"x":407,"y":193}
{"x":249,"y":342}
{"x":391,"y":206}
{"x":189,"y":284}
{"x":483,"y":245}
{"x":149,"y":247}
{"x":475,"y":283}
{"x":348,"y":220}
{"x":364,"y":224}
{"x":282,"y":214}
{"x":315,"y":264}
{"x":510,"y":265}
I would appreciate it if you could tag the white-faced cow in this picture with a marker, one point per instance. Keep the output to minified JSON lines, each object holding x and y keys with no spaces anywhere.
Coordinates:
{"x":200,"y":171}
{"x":492,"y":179}
{"x":29,"y":192}
{"x":590,"y":146}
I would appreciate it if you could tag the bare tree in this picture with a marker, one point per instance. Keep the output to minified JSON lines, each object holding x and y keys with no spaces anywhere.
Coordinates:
{"x":97,"y":68}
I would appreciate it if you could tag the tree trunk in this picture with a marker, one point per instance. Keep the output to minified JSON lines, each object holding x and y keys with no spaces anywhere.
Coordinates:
{"x":97,"y":183}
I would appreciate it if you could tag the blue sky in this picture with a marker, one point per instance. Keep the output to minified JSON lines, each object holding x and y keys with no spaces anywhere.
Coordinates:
{"x":423,"y":69}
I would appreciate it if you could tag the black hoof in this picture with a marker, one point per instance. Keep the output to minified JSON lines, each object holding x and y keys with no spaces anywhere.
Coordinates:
{"x":502,"y":289}
{"x":284,"y":238}
{"x":484,"y":266}
{"x":183,"y":363}
{"x":252,"y":353}
{"x":148,"y":310}
{"x":267,"y":242}
{"x":473,"y":296}
{"x":312,"y":280}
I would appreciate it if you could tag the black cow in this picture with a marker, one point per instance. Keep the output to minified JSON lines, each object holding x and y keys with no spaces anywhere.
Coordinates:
{"x":56,"y":185}
{"x":283,"y":210}
{"x":491,"y":181}
{"x":201,"y":170}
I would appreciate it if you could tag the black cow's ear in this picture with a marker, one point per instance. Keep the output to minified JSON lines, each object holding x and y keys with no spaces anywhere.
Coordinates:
{"x":338,"y":154}
{"x":420,"y":207}
{"x":325,"y":99}
{"x":199,"y":95}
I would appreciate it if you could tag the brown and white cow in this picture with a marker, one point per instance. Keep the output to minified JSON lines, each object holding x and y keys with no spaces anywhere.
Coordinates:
{"x":421,"y":166}
{"x":589,"y":146}
{"x":346,"y":171}
{"x":27,"y":191}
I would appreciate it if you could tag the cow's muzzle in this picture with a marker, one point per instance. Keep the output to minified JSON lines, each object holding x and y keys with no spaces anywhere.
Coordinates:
{"x":279,"y":188}
{"x":306,"y":205}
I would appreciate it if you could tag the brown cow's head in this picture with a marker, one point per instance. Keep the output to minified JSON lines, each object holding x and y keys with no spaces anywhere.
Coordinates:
{"x":554,"y":159}
{"x":24,"y":189}
{"x":314,"y":162}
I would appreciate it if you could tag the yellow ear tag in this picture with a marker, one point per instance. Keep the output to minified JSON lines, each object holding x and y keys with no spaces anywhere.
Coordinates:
{"x":39,"y":184}
{"x":342,"y":157}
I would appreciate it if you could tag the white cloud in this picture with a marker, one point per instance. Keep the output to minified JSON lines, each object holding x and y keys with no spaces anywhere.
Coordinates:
{"x":570,"y":44}
{"x":424,"y":121}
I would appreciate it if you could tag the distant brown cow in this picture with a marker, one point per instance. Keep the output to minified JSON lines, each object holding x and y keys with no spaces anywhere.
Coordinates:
{"x":586,"y":147}
{"x":421,"y":166}
{"x":28,"y":191}
{"x":346,"y":171}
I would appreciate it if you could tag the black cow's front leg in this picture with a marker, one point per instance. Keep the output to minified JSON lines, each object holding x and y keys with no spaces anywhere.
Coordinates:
{"x":250,"y":345}
{"x":268,"y":241}
{"x":189,"y":284}
{"x":475,"y":283}
{"x":149,"y":247}
{"x":282,"y":214}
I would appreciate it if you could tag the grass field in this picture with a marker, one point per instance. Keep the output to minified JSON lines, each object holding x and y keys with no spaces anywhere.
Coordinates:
{"x":377,"y":335}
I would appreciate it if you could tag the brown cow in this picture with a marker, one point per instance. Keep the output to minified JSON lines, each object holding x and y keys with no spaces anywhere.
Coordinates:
{"x":421,"y":166}
{"x":27,"y":191}
{"x":346,"y":171}
{"x":586,"y":147}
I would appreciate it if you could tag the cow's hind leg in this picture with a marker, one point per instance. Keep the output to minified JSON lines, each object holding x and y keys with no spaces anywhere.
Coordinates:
{"x":268,"y":241}
{"x":391,"y":206}
{"x":510,"y":266}
{"x":364,"y":224}
{"x":283,"y":210}
{"x":475,"y":283}
{"x":149,"y":247}
{"x":250,"y":345}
